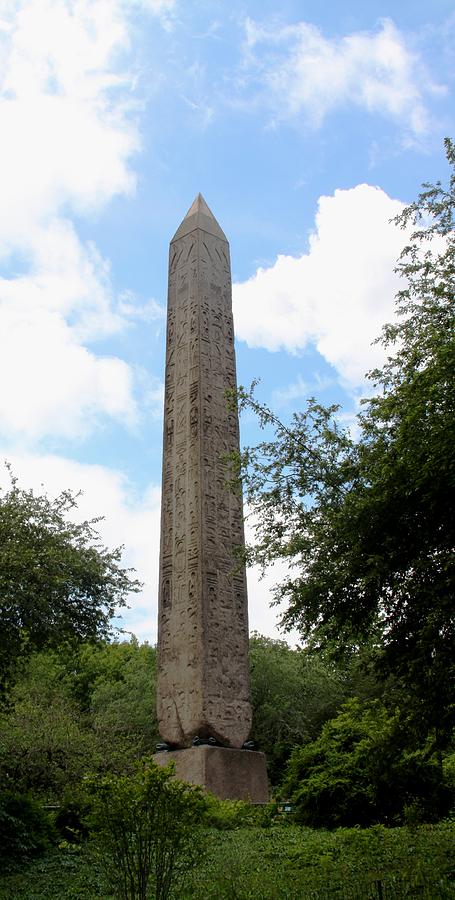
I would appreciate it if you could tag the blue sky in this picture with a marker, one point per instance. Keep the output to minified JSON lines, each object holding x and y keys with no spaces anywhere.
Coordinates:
{"x":306,"y":126}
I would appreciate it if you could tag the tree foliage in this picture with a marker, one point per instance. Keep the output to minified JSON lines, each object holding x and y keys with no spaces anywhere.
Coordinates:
{"x":359,"y":772}
{"x":45,"y":745}
{"x":58,"y":583}
{"x":147,"y":827}
{"x":77,"y":709}
{"x":122,"y":706}
{"x":293,"y":693}
{"x":26,"y":829}
{"x":368,"y":525}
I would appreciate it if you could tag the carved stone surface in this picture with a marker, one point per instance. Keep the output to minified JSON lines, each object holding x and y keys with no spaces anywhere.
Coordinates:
{"x":203,"y":671}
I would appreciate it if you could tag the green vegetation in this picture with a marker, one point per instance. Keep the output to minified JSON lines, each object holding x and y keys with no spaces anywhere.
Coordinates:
{"x":293,"y":694}
{"x":58,"y":584}
{"x":282,"y":861}
{"x":351,"y":765}
{"x":357,"y":726}
{"x":369,"y":528}
{"x":78,"y":710}
{"x":25,"y":828}
{"x":288,"y":862}
{"x":369,"y":524}
{"x":360,"y":771}
{"x":145,"y":830}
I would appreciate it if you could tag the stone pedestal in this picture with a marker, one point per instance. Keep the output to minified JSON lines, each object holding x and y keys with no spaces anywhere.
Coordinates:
{"x":227,"y":773}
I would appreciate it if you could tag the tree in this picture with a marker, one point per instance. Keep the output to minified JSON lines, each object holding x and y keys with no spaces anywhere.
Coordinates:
{"x":90,"y":707}
{"x":359,"y":772}
{"x":293,"y":693}
{"x":369,"y":525}
{"x":58,"y":583}
{"x":45,"y":745}
{"x":122,"y":704}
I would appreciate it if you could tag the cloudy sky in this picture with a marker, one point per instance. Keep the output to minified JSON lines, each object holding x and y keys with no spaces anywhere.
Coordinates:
{"x":306,"y":126}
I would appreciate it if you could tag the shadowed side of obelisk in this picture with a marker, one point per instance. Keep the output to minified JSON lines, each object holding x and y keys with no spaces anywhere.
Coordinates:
{"x":203,"y":670}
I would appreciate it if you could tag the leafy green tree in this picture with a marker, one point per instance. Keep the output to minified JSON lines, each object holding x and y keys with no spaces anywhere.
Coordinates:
{"x":147,"y":828}
{"x":369,"y":525}
{"x":113,"y":684}
{"x":123,"y":708}
{"x":58,"y":583}
{"x":26,"y":829}
{"x":90,"y":665}
{"x":45,"y":744}
{"x":293,"y":694}
{"x":75,"y":710}
{"x":359,"y":771}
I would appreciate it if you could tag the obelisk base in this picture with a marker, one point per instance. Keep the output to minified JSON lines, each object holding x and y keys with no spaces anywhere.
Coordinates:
{"x":229,"y":774}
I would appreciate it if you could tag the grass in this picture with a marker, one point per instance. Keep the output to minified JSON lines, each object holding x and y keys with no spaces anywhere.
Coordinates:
{"x":274,"y":863}
{"x":292,"y":862}
{"x":62,"y":874}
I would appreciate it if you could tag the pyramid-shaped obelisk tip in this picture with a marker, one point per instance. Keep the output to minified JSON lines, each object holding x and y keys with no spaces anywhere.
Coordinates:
{"x":199,"y":215}
{"x":199,"y":205}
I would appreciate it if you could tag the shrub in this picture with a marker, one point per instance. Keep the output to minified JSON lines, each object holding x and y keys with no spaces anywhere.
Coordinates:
{"x":147,"y":828}
{"x":25,"y":828}
{"x":224,"y":815}
{"x":358,"y":773}
{"x":227,"y":815}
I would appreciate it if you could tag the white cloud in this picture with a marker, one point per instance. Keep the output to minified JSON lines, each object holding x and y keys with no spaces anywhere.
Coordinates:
{"x":263,"y":617}
{"x":68,"y":134}
{"x":294,"y":391}
{"x":338,"y":295}
{"x":302,"y":73}
{"x":131,"y":307}
{"x":161,"y":8}
{"x":56,"y":385}
{"x":66,"y":277}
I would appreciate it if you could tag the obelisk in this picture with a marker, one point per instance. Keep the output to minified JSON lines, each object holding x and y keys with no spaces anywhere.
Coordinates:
{"x":203,"y":685}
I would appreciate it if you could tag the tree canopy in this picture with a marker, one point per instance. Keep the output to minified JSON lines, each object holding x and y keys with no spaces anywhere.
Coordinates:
{"x":58,"y":582}
{"x":368,"y":524}
{"x":360,"y":771}
{"x":293,"y":694}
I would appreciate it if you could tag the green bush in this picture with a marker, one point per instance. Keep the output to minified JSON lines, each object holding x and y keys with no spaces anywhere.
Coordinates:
{"x":348,"y":864}
{"x":147,"y":828}
{"x":45,"y":747}
{"x":360,"y":772}
{"x":25,"y":828}
{"x":227,"y":815}
{"x":272,"y":864}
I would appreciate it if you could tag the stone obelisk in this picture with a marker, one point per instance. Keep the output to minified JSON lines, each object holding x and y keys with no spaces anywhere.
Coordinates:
{"x":203,"y":690}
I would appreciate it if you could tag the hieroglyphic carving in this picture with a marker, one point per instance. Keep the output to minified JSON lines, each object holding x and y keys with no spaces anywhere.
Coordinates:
{"x":203,"y":671}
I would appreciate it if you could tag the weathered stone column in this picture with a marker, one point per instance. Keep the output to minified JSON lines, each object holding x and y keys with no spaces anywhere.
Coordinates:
{"x":203,"y":673}
{"x":203,"y":669}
